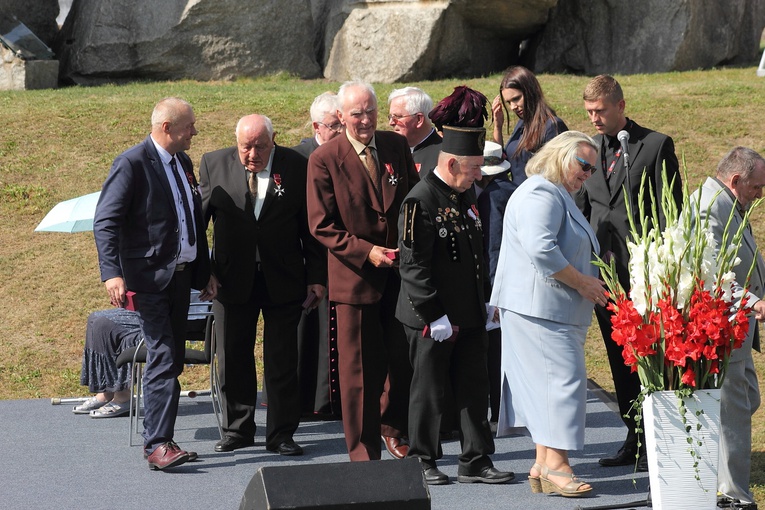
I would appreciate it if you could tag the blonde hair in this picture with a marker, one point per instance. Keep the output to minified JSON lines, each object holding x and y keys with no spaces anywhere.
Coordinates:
{"x":603,"y":87}
{"x":556,"y":156}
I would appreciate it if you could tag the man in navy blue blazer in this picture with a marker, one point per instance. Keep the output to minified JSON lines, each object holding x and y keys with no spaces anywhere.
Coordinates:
{"x":151,"y":241}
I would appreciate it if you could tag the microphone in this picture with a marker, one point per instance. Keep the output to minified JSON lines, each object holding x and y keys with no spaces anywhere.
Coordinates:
{"x":624,"y":137}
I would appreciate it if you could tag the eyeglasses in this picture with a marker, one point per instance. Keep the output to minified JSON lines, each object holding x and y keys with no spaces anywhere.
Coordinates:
{"x":586,"y":167}
{"x":336,"y":127}
{"x":397,"y":118}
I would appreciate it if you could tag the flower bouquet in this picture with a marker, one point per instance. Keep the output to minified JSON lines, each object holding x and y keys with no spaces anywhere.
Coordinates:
{"x":684,"y":312}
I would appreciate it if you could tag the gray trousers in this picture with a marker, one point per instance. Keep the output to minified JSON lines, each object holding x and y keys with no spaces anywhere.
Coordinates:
{"x":739,"y":399}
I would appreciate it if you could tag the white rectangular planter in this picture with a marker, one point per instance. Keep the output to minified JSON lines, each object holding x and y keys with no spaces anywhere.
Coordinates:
{"x":670,"y":464}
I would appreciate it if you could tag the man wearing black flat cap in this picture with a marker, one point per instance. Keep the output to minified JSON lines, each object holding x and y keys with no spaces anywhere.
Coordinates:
{"x":444,"y":288}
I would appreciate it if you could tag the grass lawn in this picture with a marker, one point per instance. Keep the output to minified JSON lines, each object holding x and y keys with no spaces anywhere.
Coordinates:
{"x":59,"y":144}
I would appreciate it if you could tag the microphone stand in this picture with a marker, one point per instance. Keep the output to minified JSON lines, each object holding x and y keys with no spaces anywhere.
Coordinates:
{"x":629,"y":181}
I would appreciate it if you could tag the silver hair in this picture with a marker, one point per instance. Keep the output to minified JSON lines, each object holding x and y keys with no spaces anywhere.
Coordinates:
{"x":266,"y":121}
{"x":417,"y":100}
{"x":739,"y":160}
{"x":324,"y":104}
{"x":353,"y":84}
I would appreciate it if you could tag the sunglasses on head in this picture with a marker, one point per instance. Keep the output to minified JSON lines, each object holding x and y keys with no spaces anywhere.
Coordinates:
{"x":585,"y":165}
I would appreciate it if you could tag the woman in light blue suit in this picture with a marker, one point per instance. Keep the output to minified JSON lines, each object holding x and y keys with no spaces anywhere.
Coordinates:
{"x":545,"y":289}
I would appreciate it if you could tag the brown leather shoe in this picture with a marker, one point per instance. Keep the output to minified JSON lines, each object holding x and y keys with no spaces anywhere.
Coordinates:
{"x":192,"y":455}
{"x":167,"y":455}
{"x":396,"y":446}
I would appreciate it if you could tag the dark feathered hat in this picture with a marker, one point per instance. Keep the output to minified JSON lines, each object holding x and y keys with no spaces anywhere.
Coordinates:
{"x":460,"y":117}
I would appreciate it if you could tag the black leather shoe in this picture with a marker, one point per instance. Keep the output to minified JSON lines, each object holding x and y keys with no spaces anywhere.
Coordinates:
{"x":642,"y":464}
{"x":488,"y":474}
{"x":434,"y":477}
{"x":288,"y":447}
{"x":726,"y":502}
{"x":624,"y":457}
{"x":231,"y":443}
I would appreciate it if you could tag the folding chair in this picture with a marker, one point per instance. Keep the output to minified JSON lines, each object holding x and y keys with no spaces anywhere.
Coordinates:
{"x":200,"y":328}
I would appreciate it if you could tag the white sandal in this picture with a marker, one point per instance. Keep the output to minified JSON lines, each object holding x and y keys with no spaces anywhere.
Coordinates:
{"x":111,"y":410}
{"x":89,"y":405}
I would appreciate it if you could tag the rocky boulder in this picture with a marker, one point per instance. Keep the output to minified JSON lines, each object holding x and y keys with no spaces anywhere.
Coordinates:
{"x":616,"y":37}
{"x":174,"y":39}
{"x":38,"y":15}
{"x":409,"y":40}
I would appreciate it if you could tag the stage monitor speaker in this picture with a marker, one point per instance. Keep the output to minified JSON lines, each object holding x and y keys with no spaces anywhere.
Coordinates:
{"x":374,"y":485}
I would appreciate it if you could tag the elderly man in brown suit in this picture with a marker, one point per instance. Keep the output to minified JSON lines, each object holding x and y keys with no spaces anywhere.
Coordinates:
{"x":356,"y":184}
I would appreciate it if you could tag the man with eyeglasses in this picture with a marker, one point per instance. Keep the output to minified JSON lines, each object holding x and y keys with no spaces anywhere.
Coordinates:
{"x":316,"y":365}
{"x":356,"y":184}
{"x":408,"y":109}
{"x":324,"y":122}
{"x":601,"y":199}
{"x":266,"y":261}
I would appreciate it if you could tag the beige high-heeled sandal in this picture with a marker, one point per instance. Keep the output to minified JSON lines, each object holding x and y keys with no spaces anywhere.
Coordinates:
{"x":572,"y":489}
{"x":534,"y":482}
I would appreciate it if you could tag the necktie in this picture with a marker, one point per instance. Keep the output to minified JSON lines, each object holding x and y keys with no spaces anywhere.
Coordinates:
{"x":252,"y":183}
{"x":374,"y":172}
{"x":185,"y":200}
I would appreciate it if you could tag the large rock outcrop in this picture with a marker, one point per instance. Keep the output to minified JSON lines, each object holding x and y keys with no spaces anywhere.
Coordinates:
{"x":173,"y":39}
{"x":400,"y":40}
{"x":409,"y":40}
{"x":617,"y":37}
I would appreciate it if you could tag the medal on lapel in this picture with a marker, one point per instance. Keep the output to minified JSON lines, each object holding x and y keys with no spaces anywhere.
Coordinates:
{"x":392,"y":179}
{"x":192,"y":183}
{"x":278,"y":188}
{"x":473,"y":213}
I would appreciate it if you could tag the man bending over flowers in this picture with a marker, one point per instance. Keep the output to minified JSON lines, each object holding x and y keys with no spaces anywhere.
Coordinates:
{"x":739,"y":182}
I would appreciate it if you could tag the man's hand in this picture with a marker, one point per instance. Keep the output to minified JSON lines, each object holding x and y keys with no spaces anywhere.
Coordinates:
{"x":378,"y":258}
{"x":319,"y":290}
{"x":116,"y":289}
{"x":211,"y":291}
{"x":759,"y":310}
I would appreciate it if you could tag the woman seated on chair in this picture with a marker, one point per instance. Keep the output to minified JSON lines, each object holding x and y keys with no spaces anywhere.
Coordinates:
{"x":107,"y":334}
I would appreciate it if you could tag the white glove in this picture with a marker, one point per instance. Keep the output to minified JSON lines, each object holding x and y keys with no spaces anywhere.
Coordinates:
{"x":440,"y":329}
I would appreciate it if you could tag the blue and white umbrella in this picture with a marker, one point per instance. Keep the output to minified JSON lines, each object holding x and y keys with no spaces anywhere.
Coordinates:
{"x":75,"y":215}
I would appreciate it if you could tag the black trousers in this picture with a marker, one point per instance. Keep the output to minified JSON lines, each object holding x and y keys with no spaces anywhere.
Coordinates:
{"x":236,"y":330}
{"x":435,"y":364}
{"x":626,"y":382}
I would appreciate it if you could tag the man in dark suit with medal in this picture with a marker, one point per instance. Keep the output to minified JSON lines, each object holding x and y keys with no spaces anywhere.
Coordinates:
{"x":265,"y":261}
{"x":151,"y":240}
{"x":442,"y":305}
{"x":601,"y":199}
{"x":356,"y":183}
{"x":408,"y":110}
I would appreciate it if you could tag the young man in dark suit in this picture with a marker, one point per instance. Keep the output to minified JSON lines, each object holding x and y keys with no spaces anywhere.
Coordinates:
{"x":356,"y":183}
{"x":151,"y":240}
{"x":265,"y":261}
{"x":601,"y":199}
